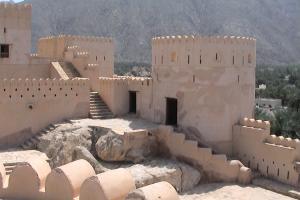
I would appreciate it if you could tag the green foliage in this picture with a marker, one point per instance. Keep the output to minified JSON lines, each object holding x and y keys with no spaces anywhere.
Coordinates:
{"x":283,"y":82}
{"x":123,"y":68}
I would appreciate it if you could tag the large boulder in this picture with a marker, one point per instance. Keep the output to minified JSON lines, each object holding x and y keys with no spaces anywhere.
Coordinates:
{"x":135,"y":146}
{"x":60,"y":143}
{"x":181,"y":176}
{"x":83,"y":153}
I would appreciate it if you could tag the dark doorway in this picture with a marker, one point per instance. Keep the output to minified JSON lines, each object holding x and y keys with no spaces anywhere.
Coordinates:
{"x":4,"y":51}
{"x":132,"y":102}
{"x":171,"y":111}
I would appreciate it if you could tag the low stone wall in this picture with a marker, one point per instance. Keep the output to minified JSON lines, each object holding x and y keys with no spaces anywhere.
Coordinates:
{"x":77,"y":180}
{"x":115,"y":93}
{"x":274,"y":157}
{"x":216,"y":167}
{"x":27,"y":106}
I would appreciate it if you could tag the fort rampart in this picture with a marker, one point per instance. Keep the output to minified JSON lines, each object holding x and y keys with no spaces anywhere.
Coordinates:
{"x":30,"y":105}
{"x":274,"y":157}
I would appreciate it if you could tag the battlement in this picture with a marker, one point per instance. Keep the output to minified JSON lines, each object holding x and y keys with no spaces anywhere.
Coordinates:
{"x":69,"y":183}
{"x":12,"y":11}
{"x":126,"y":80}
{"x":265,"y":125}
{"x":79,"y":38}
{"x":15,"y":7}
{"x":283,"y":142}
{"x":204,"y":39}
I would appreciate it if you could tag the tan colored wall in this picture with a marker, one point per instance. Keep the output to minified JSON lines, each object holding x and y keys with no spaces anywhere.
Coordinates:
{"x":16,"y":18}
{"x":51,"y":101}
{"x":96,"y":50}
{"x":274,"y":157}
{"x":216,"y":167}
{"x":215,"y":90}
{"x":115,"y":92}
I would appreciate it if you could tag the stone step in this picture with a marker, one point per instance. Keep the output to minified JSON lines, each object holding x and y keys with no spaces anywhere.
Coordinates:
{"x":220,"y":157}
{"x":102,"y":116}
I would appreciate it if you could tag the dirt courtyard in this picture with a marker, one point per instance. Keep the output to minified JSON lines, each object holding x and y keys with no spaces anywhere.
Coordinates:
{"x":219,"y":191}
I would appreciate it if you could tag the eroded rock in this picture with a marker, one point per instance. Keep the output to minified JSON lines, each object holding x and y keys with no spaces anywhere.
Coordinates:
{"x":135,"y":147}
{"x":181,"y":176}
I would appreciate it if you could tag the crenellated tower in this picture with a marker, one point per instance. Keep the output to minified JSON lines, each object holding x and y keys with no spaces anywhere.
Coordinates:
{"x":207,"y":83}
{"x":15,"y":33}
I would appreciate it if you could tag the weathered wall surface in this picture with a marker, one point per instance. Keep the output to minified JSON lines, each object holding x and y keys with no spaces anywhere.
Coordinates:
{"x":213,"y":80}
{"x":115,"y":92}
{"x":274,"y":157}
{"x":27,"y":106}
{"x":95,"y":50}
{"x":15,"y":30}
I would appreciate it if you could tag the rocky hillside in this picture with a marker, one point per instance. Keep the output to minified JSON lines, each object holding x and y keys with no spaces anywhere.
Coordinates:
{"x":275,"y":23}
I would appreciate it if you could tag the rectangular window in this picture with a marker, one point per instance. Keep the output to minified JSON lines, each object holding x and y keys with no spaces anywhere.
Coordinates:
{"x":4,"y":51}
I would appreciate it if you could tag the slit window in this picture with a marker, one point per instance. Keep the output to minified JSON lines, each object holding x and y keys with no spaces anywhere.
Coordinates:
{"x":4,"y":51}
{"x":188,"y":59}
{"x":4,"y":30}
{"x":200,"y":59}
{"x":233,"y":60}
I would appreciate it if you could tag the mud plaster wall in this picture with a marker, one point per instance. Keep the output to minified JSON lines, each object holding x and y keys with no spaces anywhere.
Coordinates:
{"x":214,"y":93}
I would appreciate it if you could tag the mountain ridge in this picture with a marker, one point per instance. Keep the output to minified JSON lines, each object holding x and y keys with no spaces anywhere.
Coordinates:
{"x":132,"y":23}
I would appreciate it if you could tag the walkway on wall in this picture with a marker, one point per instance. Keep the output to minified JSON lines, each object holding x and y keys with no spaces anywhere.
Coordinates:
{"x":70,"y":70}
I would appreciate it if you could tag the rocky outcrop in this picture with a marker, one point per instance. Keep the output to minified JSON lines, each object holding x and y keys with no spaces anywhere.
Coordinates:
{"x":83,"y":153}
{"x":135,"y":146}
{"x":60,"y":143}
{"x":181,"y":176}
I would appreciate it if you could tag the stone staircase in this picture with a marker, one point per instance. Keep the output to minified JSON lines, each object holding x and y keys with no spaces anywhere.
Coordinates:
{"x":70,"y":70}
{"x":98,"y":108}
{"x":32,"y":142}
{"x":217,"y":167}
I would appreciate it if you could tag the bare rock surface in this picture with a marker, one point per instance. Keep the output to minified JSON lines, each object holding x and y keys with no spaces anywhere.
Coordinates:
{"x":83,"y":153}
{"x":181,"y":176}
{"x":60,"y":143}
{"x":135,"y":148}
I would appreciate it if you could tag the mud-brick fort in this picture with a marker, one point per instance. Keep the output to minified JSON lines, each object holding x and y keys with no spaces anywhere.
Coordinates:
{"x":201,"y":98}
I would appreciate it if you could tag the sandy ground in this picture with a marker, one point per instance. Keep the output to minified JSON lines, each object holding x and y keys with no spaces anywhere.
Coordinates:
{"x":19,"y":156}
{"x":119,"y":125}
{"x":231,"y":192}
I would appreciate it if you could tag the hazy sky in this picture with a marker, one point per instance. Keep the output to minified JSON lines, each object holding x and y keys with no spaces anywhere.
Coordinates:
{"x":14,"y":0}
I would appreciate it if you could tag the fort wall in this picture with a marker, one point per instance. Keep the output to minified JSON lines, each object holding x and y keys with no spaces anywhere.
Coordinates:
{"x":27,"y":106}
{"x":15,"y":31}
{"x":212,"y":80}
{"x":274,"y":157}
{"x":115,"y":92}
{"x":94,"y":50}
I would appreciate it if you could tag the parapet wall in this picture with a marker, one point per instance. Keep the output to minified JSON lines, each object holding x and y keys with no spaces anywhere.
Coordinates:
{"x":36,"y":181}
{"x":274,"y":157}
{"x":29,"y":105}
{"x":115,"y":93}
{"x":227,"y":51}
{"x":81,"y":51}
{"x":15,"y":10}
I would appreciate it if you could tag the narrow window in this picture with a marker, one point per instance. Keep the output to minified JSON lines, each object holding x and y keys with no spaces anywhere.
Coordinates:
{"x":288,"y":175}
{"x":4,"y":30}
{"x":173,"y":57}
{"x":278,"y":172}
{"x":194,"y":78}
{"x":188,"y":59}
{"x":162,"y":60}
{"x":233,"y":60}
{"x":200,"y":59}
{"x":216,"y":56}
{"x":4,"y":51}
{"x":249,"y":59}
{"x":238,"y":79}
{"x":96,"y":58}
